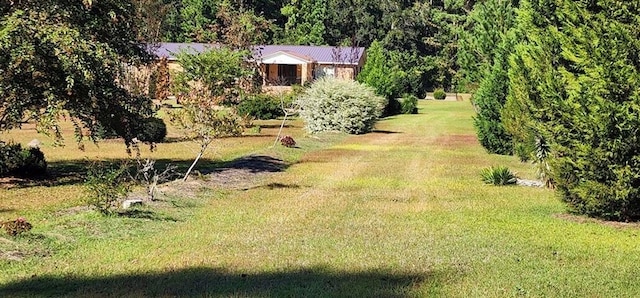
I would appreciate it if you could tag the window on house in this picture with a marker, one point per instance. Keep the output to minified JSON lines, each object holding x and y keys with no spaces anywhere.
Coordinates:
{"x":288,"y":74}
{"x":325,"y":71}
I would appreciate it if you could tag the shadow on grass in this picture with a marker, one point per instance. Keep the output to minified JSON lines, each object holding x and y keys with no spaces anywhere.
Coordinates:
{"x":253,"y":164}
{"x":313,"y":282}
{"x":276,"y":185}
{"x":146,"y":214}
{"x":385,"y":131}
{"x":72,"y":172}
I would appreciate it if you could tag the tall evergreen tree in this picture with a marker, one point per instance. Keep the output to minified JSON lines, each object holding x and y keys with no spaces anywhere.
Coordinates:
{"x":487,"y":26}
{"x":581,"y":59}
{"x":483,"y":56}
{"x":489,"y":102}
{"x":375,"y":71}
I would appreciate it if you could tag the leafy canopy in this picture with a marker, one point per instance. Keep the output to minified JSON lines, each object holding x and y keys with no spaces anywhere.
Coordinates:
{"x":65,"y":58}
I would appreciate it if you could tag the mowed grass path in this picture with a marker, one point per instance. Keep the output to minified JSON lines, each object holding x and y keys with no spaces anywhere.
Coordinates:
{"x":400,"y":212}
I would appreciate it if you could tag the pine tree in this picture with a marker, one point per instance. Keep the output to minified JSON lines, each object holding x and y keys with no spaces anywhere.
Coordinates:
{"x":580,"y":59}
{"x":487,"y":26}
{"x":483,"y":57}
{"x":489,"y":101}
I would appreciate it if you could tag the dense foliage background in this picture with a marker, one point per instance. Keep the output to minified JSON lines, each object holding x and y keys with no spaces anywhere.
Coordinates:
{"x":419,"y":38}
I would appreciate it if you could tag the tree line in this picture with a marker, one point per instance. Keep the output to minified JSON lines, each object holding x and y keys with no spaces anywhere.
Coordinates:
{"x":420,"y":38}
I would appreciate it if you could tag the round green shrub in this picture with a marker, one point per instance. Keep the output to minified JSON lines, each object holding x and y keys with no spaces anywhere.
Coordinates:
{"x":409,"y":104}
{"x":332,"y":104}
{"x":260,"y":106}
{"x":393,"y":107}
{"x":439,"y":94}
{"x":152,"y":130}
{"x":33,"y":163}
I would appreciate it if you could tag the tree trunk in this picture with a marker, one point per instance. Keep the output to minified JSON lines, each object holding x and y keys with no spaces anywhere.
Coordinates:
{"x":203,"y":148}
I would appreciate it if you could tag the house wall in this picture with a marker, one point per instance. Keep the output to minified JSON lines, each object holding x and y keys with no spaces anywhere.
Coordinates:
{"x":174,"y":66}
{"x":345,"y":72}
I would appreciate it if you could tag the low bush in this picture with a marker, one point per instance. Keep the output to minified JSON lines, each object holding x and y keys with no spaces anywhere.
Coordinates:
{"x":152,"y":130}
{"x":409,"y":104}
{"x":18,"y":161}
{"x":16,"y":227}
{"x":498,"y":176}
{"x":439,"y":94}
{"x":260,"y":106}
{"x":288,"y":141}
{"x":105,"y":186}
{"x":393,"y":107}
{"x":332,"y":104}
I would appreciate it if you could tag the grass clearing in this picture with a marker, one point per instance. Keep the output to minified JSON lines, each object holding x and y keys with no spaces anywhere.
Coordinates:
{"x":400,"y":212}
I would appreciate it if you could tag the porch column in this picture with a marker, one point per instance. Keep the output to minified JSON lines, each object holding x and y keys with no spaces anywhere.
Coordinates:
{"x":304,"y":74}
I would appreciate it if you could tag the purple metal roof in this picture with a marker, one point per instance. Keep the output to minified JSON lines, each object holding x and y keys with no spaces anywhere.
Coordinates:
{"x":169,"y":50}
{"x":321,"y":54}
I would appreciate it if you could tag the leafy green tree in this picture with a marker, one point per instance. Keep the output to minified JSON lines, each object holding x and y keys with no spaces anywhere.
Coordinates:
{"x":241,"y":29}
{"x":209,"y":79}
{"x":375,"y":71}
{"x":198,"y":20}
{"x":580,"y":62}
{"x":65,"y":58}
{"x":219,"y":70}
{"x":305,"y":21}
{"x":151,"y":15}
{"x":354,"y":22}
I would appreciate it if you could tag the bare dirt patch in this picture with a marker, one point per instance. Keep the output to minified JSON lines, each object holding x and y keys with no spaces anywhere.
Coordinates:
{"x":242,"y":173}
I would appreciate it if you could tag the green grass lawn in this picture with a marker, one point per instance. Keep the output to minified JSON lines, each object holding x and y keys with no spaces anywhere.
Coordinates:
{"x":400,"y":212}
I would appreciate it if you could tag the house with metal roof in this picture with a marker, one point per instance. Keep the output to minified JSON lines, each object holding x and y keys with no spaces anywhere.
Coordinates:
{"x":286,"y":65}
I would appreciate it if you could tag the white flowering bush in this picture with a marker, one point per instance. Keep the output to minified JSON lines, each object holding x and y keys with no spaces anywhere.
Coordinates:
{"x":340,"y":105}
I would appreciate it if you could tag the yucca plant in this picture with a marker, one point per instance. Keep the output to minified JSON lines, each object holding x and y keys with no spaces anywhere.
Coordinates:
{"x":541,"y":161}
{"x":500,"y":175}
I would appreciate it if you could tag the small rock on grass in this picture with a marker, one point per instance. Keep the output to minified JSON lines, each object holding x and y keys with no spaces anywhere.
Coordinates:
{"x":530,"y":183}
{"x":131,"y":203}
